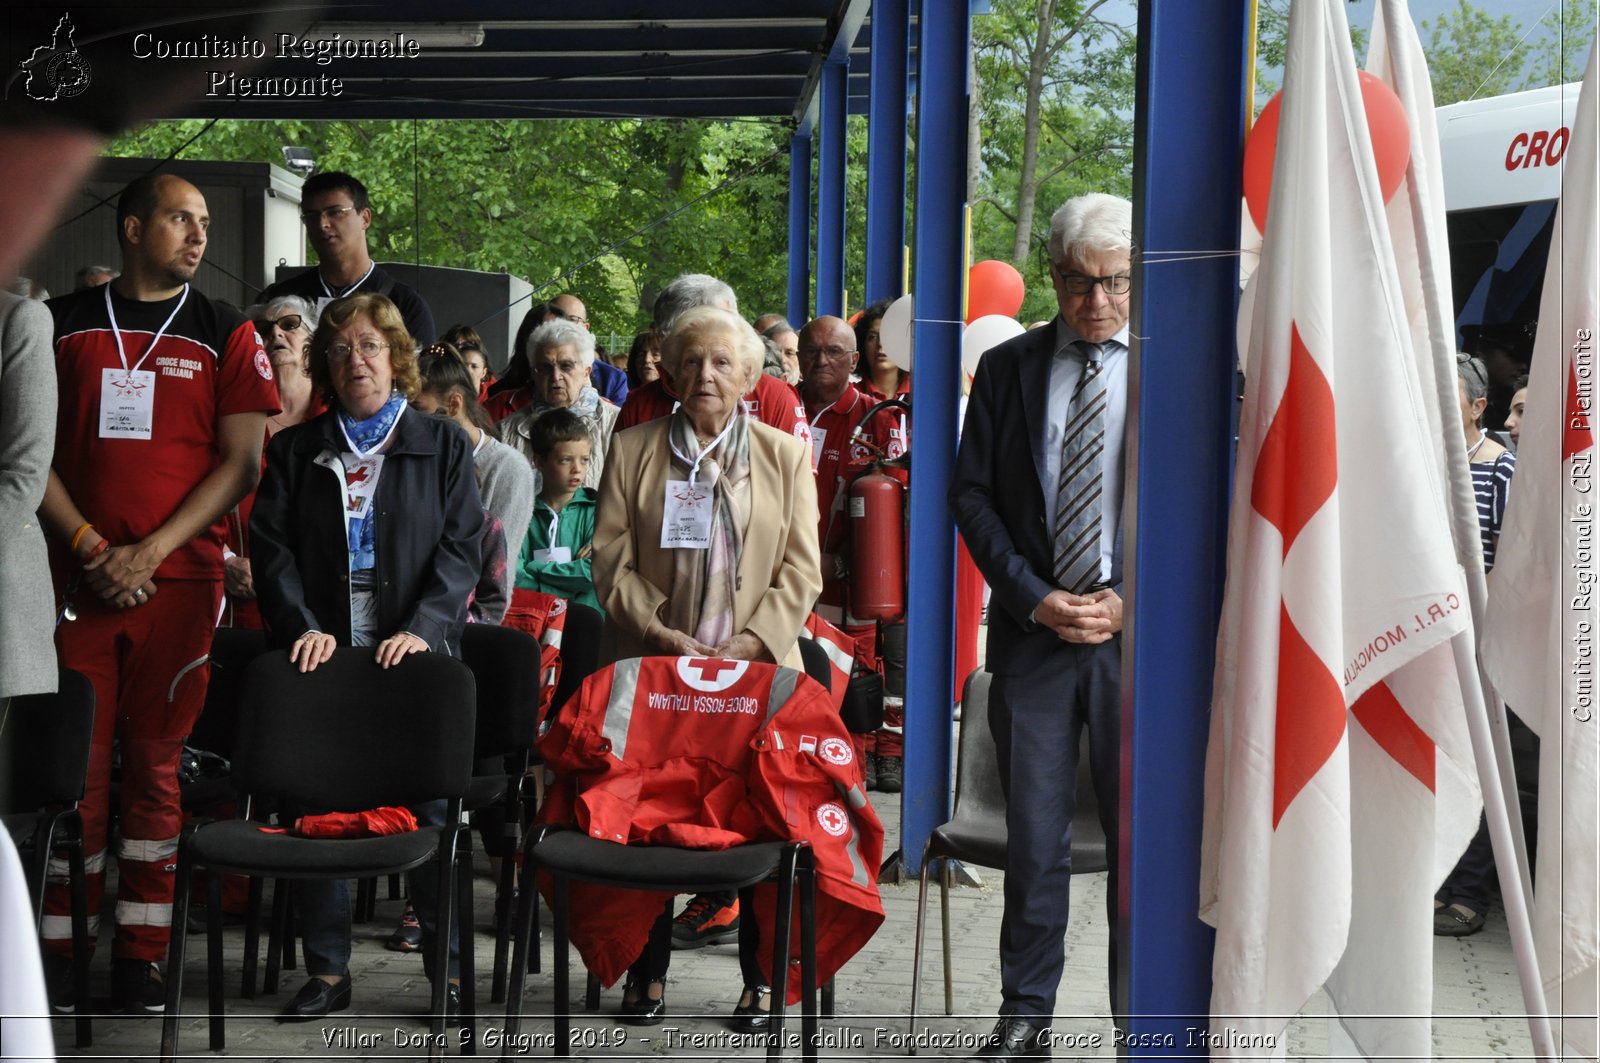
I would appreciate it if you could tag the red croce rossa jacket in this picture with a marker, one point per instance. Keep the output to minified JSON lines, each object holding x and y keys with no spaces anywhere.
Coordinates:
{"x":707,"y":753}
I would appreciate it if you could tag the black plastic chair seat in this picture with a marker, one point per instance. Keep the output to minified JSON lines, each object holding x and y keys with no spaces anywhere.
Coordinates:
{"x":242,"y":847}
{"x":484,"y":791}
{"x":975,"y":843}
{"x":669,"y":869}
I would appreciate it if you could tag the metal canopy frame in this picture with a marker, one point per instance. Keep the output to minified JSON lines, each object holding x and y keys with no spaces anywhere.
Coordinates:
{"x":729,"y":59}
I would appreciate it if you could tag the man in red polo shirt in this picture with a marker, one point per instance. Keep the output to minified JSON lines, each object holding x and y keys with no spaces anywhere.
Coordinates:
{"x":164,"y":399}
{"x":771,"y":401}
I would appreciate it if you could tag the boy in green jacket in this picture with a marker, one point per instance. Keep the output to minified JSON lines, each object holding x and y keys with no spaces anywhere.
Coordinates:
{"x":555,"y":554}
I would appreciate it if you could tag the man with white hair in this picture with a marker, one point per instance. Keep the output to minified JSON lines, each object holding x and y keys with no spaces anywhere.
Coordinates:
{"x":1037,"y":494}
{"x":771,"y":401}
{"x":560,"y":354}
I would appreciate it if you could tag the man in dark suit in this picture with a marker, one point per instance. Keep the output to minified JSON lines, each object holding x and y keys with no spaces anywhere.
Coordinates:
{"x":1038,"y":499}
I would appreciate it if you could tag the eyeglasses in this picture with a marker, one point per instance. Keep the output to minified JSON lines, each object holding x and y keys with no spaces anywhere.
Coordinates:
{"x":288,"y":323}
{"x":368,"y":349}
{"x":576,"y":319}
{"x":311,"y":217}
{"x":564,"y":368}
{"x":1467,"y":364}
{"x":832,"y":354}
{"x":1081,"y":284}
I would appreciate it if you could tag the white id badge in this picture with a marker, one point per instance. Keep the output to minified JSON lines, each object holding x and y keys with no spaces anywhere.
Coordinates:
{"x":127,"y":403}
{"x":360,"y":484}
{"x":686,"y":516}
{"x":817,"y":437}
{"x":556,"y":555}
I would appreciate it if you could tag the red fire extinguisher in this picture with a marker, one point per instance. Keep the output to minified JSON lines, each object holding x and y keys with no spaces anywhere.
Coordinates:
{"x":877,"y":532}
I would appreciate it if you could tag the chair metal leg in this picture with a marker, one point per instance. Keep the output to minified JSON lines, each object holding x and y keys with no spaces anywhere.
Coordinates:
{"x":77,"y":885}
{"x":563,"y":1003}
{"x":277,"y":931}
{"x":781,"y":934}
{"x":591,"y":991}
{"x":394,"y":887}
{"x":945,"y":876}
{"x":214,"y":958}
{"x":827,"y":999}
{"x":521,"y":935}
{"x":252,"y":940}
{"x":506,"y":889}
{"x":916,"y":952}
{"x":366,"y":906}
{"x":175,"y":950}
{"x":445,"y":920}
{"x":808,"y":957}
{"x":465,"y":931}
{"x":289,"y":937}
{"x":43,"y":832}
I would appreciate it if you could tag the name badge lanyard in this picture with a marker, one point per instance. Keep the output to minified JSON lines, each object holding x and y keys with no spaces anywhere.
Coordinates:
{"x":705,"y":451}
{"x":122,"y":354}
{"x":329,"y":291}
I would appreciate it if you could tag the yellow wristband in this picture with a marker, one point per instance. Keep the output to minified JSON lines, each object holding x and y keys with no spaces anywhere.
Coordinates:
{"x":77,"y":536}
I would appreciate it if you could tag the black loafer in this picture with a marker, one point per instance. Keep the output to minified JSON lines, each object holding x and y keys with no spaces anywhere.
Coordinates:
{"x":1015,"y":1038}
{"x":315,"y":1000}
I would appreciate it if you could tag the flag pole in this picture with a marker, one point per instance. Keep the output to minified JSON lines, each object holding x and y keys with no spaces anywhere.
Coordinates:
{"x":1491,"y":743}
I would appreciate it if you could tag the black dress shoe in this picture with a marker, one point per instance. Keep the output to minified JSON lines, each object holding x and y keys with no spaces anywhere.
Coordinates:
{"x":315,"y":1000}
{"x":642,"y":1010}
{"x":452,"y":1005}
{"x":1015,"y":1038}
{"x":752,"y":1017}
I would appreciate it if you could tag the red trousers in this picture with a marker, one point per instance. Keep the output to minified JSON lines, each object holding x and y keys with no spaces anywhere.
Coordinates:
{"x":149,"y":669}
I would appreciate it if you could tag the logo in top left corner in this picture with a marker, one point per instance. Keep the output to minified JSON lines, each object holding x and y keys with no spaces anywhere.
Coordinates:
{"x":57,"y":71}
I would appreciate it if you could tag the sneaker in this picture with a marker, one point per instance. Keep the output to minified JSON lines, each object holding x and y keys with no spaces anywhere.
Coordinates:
{"x":891,"y":774}
{"x":407,"y":937}
{"x":706,"y":921}
{"x":137,"y":988}
{"x":58,"y":983}
{"x":870,"y":762}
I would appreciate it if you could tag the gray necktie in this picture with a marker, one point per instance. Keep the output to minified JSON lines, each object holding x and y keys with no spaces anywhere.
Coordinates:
{"x":1078,"y":489}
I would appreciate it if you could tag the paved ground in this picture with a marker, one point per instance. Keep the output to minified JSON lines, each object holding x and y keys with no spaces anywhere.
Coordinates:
{"x":1475,"y":979}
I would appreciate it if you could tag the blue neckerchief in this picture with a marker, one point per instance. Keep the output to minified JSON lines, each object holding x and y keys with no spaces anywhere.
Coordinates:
{"x":369,"y":433}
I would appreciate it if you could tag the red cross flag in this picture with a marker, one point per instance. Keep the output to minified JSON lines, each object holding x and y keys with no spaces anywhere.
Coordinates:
{"x":1339,"y":786}
{"x":1540,"y":640}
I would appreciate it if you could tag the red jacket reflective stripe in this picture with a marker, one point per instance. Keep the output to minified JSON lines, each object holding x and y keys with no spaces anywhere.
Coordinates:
{"x":709,"y":754}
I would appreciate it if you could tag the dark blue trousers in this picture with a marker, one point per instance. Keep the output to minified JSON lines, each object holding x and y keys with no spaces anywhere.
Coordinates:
{"x":1038,"y":720}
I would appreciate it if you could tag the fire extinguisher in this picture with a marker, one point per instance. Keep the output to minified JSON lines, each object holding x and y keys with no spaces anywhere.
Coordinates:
{"x":878,"y":534}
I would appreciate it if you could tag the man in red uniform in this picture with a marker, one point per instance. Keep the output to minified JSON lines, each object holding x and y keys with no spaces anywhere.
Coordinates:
{"x":771,"y":401}
{"x":834,"y":406}
{"x":164,"y":400}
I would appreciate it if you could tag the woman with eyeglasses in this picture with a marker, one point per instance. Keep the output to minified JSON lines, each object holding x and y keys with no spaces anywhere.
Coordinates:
{"x":285,"y":325}
{"x":1462,"y":902}
{"x":559,"y":355}
{"x":366,"y":533}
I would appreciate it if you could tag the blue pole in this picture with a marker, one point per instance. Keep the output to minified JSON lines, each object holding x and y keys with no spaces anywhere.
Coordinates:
{"x":886,"y":152}
{"x":835,"y":93}
{"x":936,"y":290}
{"x":1188,"y":118}
{"x":799,"y":228}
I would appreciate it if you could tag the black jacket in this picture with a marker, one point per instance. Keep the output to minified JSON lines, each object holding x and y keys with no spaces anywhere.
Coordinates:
{"x":429,"y":523}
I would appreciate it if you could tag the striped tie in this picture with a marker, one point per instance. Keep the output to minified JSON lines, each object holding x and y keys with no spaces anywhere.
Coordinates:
{"x":1083,"y":442}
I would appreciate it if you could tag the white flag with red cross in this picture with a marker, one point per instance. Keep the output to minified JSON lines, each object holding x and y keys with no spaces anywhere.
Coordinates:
{"x":1540,"y":638}
{"x":1338,"y":778}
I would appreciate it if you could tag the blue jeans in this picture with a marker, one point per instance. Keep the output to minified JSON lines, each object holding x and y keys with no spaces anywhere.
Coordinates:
{"x":324,"y":911}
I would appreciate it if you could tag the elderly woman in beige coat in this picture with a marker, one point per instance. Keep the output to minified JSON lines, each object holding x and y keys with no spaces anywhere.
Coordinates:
{"x":705,"y":540}
{"x":705,"y":545}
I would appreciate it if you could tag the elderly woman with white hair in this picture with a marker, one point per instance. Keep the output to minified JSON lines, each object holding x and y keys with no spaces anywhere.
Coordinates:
{"x":731,"y":572}
{"x":560,"y":354}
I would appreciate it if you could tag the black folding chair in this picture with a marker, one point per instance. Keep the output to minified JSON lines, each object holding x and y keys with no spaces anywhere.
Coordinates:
{"x":976,"y":834}
{"x":52,"y":734}
{"x":347,"y":737}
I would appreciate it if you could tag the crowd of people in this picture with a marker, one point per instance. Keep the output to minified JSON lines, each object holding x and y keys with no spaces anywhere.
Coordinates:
{"x":325,"y":467}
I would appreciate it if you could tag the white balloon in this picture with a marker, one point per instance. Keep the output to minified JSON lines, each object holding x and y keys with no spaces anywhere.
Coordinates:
{"x":988,"y":331}
{"x":894,"y":332}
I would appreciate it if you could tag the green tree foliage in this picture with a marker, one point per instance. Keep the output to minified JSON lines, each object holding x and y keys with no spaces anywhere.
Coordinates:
{"x":543,"y":199}
{"x":1055,"y":120}
{"x":1472,"y":54}
{"x":1563,"y":47}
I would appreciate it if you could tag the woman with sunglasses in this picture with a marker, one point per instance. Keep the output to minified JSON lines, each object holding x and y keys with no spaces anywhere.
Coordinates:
{"x":285,"y":325}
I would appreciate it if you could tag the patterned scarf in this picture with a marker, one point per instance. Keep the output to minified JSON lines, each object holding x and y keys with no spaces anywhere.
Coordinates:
{"x":366,"y":434}
{"x":369,"y":433}
{"x":700,"y":600}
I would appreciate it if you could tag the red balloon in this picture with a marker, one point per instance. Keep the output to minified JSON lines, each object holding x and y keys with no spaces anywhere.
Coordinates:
{"x":1391,"y":145}
{"x":993,"y":287}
